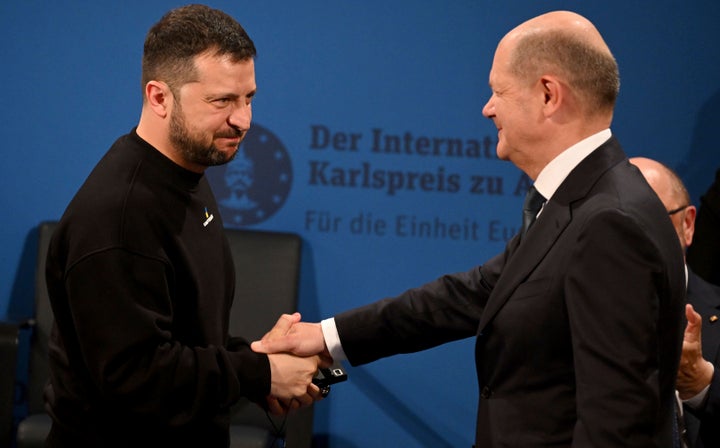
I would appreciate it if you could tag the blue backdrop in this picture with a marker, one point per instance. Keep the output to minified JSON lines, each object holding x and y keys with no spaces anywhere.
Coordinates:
{"x":380,"y":156}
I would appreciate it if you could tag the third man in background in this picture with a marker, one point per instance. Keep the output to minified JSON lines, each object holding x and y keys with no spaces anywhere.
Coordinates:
{"x":698,"y":380}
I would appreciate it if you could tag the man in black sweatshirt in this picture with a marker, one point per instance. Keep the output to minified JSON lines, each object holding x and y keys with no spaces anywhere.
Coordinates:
{"x":139,"y":271}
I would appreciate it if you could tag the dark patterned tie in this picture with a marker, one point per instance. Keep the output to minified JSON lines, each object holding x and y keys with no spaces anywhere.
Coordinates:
{"x":533,"y":202}
{"x":679,"y":433}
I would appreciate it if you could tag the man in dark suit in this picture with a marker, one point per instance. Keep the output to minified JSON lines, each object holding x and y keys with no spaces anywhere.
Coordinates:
{"x":579,"y":321}
{"x":698,"y":381}
{"x":704,"y":258}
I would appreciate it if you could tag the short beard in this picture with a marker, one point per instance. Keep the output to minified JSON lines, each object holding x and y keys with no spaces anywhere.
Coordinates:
{"x":192,"y":149}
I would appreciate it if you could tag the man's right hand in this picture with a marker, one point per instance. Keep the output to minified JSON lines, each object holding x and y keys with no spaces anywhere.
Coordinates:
{"x":289,"y":335}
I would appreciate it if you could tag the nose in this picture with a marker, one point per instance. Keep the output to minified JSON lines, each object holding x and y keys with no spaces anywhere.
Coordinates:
{"x":241,"y":117}
{"x":489,"y":109}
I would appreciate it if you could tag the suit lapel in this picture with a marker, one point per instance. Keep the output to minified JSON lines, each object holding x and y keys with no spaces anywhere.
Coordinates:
{"x":702,"y":296}
{"x":549,"y":226}
{"x":705,"y":299}
{"x":527,"y":255}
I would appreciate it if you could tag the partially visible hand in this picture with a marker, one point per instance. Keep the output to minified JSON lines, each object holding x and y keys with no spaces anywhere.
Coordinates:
{"x":282,"y":407}
{"x":695,"y":373}
{"x":289,"y":335}
{"x":291,"y":384}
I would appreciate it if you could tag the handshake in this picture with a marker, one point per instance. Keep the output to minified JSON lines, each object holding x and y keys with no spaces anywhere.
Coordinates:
{"x":296,"y":351}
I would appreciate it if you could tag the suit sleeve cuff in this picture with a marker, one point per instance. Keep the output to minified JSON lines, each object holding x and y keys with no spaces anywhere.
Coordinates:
{"x":332,"y":339}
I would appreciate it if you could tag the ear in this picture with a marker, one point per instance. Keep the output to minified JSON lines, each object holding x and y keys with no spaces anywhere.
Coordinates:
{"x":159,"y":97}
{"x":688,"y":224}
{"x":552,"y":92}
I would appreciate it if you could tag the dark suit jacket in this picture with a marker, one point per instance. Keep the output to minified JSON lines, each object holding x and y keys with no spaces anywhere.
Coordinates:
{"x":703,"y":426}
{"x":704,"y":255}
{"x":579,"y":328}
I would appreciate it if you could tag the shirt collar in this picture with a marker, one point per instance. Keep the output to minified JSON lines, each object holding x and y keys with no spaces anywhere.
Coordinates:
{"x":560,"y":167}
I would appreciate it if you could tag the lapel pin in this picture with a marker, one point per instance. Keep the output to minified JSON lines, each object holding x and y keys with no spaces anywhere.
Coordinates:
{"x":713,"y":318}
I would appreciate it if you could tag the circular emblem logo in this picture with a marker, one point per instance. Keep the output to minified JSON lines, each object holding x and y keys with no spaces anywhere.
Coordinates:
{"x":255,"y":184}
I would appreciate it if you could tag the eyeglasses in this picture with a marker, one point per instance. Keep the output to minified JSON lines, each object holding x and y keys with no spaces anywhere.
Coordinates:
{"x":676,"y":210}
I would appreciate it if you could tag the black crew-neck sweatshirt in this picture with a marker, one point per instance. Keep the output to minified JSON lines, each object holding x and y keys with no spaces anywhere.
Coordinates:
{"x":141,"y":281}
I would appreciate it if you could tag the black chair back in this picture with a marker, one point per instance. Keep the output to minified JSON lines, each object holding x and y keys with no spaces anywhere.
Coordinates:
{"x":267,"y":270}
{"x":267,"y":267}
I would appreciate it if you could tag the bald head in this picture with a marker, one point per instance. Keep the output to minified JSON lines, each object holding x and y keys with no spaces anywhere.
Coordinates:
{"x":666,"y":184}
{"x":566,"y":45}
{"x":672,"y":193}
{"x":554,"y":83}
{"x":567,"y":21}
